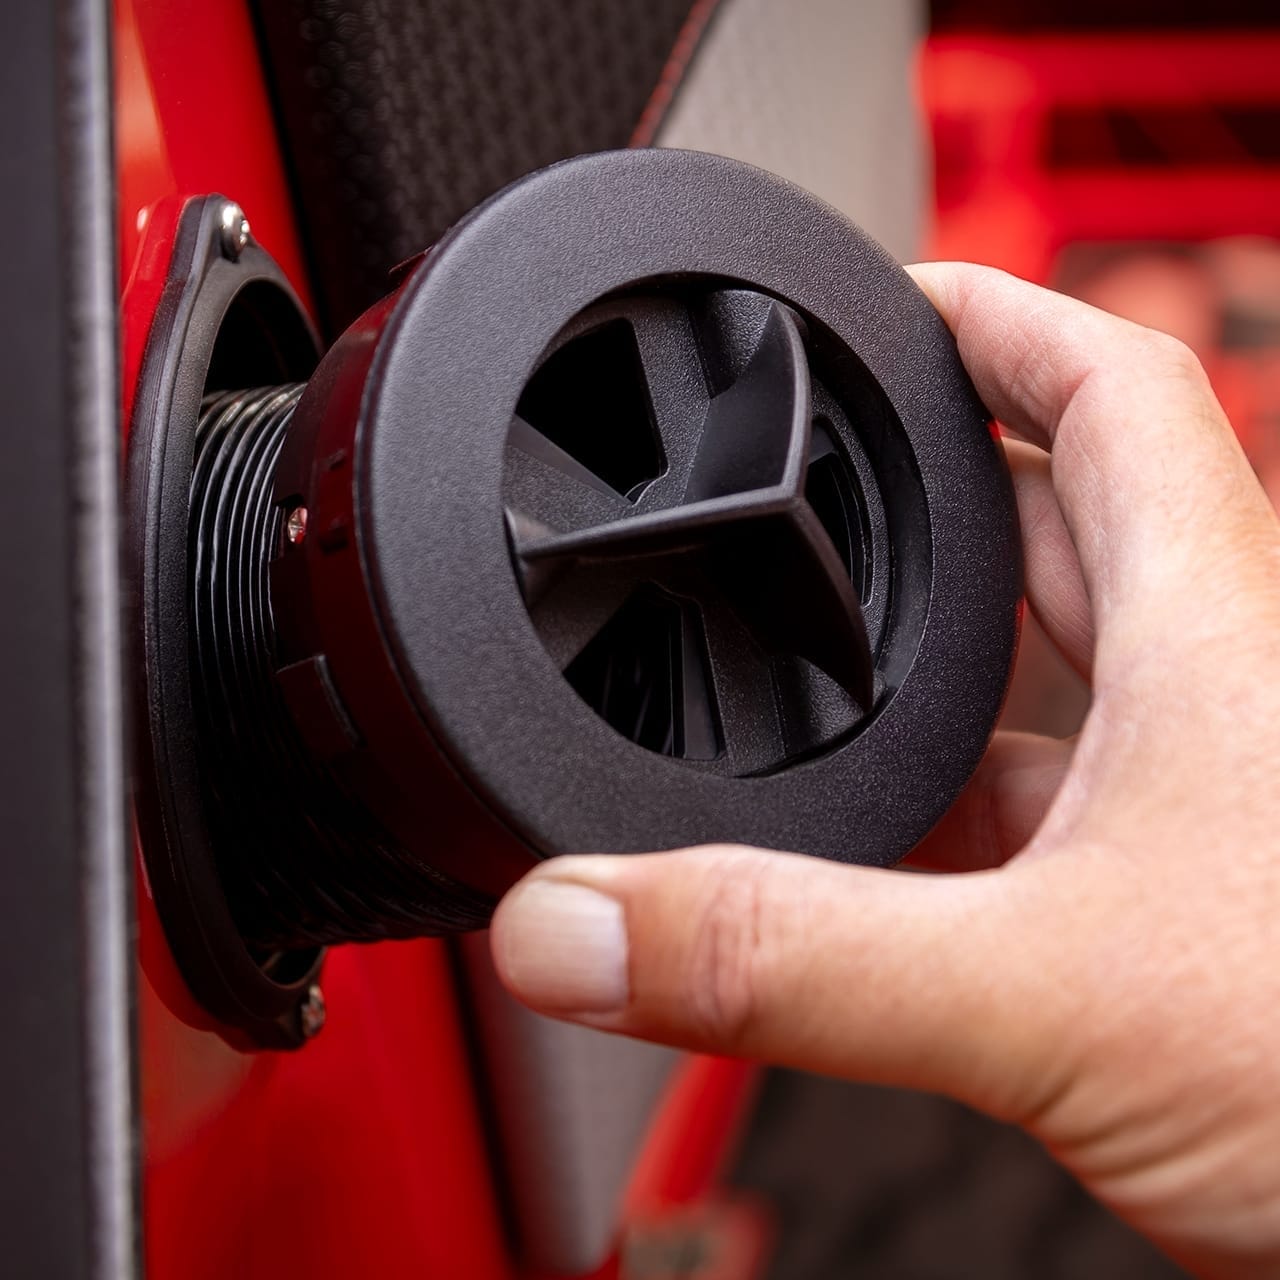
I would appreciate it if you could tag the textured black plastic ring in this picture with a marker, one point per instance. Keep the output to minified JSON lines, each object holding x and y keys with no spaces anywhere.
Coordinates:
{"x":466,"y":332}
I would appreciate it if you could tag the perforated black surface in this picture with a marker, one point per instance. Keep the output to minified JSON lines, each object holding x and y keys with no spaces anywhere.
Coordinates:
{"x":399,"y":115}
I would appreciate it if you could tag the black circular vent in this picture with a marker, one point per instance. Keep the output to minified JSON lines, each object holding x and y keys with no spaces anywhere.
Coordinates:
{"x":699,"y":530}
{"x":652,"y":507}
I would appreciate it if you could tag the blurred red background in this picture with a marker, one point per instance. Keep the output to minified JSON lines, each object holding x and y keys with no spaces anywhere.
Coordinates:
{"x":1129,"y":154}
{"x":1137,"y":168}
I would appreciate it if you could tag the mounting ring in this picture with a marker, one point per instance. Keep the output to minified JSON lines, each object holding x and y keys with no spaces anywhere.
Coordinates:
{"x":225,"y":321}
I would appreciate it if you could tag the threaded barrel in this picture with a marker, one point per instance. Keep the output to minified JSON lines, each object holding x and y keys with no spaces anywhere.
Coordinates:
{"x":301,"y":860}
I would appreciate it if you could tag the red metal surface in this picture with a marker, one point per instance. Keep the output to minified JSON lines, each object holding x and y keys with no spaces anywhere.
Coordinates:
{"x":192,"y":116}
{"x":676,"y":1205}
{"x":363,"y":1155}
{"x":360,"y":1156}
{"x":694,"y":1131}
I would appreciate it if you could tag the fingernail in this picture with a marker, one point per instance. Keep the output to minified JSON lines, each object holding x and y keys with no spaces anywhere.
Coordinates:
{"x":563,"y":947}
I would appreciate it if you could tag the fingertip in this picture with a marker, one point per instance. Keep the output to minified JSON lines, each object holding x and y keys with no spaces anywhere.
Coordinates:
{"x":560,"y":945}
{"x":949,"y":284}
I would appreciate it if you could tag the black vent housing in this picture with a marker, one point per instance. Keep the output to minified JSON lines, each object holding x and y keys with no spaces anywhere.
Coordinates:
{"x":654,"y":507}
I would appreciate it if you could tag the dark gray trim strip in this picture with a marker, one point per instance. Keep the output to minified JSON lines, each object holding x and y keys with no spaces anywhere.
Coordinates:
{"x":67,"y":1156}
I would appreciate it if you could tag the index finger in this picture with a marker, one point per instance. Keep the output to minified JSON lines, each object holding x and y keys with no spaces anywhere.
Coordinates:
{"x":1156,"y":493}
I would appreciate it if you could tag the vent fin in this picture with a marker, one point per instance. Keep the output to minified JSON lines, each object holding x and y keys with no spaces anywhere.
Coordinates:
{"x":590,"y":399}
{"x":646,"y":674}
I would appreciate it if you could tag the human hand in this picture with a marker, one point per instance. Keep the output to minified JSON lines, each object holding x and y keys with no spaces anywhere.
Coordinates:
{"x":1108,"y":973}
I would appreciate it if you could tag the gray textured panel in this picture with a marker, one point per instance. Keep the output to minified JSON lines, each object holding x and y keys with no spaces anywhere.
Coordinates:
{"x":821,"y":92}
{"x":571,"y":1106}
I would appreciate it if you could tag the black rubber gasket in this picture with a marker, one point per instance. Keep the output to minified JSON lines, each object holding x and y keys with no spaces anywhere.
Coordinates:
{"x":257,"y":1001}
{"x":467,"y":331}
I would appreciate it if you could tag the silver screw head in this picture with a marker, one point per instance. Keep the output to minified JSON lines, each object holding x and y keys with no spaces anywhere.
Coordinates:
{"x":311,"y":1012}
{"x":295,"y":525}
{"x":234,"y":230}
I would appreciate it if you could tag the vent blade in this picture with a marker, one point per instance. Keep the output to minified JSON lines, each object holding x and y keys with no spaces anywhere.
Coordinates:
{"x":591,"y":401}
{"x":646,"y":674}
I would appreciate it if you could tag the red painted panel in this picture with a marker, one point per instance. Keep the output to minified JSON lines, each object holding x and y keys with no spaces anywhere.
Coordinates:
{"x":359,"y":1156}
{"x":193,"y":117}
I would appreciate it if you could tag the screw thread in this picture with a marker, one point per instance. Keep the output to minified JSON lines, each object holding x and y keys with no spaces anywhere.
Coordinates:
{"x":302,"y":862}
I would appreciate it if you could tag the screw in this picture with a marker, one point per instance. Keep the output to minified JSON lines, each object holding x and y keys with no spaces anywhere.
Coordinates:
{"x":233,"y":230}
{"x":295,"y":525}
{"x":311,"y":1012}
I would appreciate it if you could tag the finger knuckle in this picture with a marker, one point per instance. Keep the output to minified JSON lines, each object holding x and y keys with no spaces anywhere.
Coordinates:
{"x":725,"y":969}
{"x":1176,"y":358}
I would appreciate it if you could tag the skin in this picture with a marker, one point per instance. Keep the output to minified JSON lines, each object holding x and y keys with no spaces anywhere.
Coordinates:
{"x":1104,"y":968}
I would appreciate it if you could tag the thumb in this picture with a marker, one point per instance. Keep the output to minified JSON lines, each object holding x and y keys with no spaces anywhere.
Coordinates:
{"x":940,"y":983}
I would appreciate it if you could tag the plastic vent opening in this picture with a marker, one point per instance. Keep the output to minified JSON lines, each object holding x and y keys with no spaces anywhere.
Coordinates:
{"x":590,"y":399}
{"x":646,"y":674}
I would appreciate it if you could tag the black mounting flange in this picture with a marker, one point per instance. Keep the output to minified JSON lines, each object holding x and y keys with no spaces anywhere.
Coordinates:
{"x":227,"y":318}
